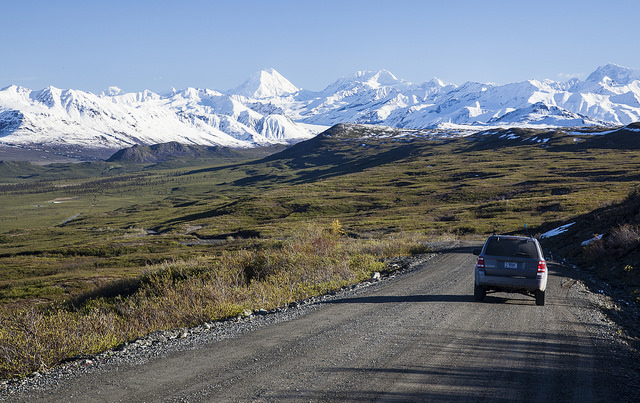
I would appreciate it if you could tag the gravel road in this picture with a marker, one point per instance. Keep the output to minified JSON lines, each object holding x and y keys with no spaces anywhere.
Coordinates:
{"x":416,"y":336}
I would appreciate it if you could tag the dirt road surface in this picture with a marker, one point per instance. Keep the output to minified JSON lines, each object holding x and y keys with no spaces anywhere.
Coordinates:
{"x":416,"y":337}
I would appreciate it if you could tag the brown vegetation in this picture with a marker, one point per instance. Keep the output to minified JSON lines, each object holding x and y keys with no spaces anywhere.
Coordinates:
{"x":191,"y":292}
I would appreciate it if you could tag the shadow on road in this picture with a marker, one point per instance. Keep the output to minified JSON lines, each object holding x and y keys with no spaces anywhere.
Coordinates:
{"x":484,"y":366}
{"x":511,"y":299}
{"x":380,"y":299}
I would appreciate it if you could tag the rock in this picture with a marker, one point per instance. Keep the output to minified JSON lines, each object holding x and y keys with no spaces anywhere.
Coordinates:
{"x":375,"y":276}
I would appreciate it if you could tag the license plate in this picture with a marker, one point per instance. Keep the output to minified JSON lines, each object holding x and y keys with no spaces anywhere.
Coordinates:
{"x":510,"y":265}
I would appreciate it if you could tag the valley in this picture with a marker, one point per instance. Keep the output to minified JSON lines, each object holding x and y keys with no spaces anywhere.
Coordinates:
{"x":372,"y":180}
{"x":375,"y":181}
{"x":94,"y":234}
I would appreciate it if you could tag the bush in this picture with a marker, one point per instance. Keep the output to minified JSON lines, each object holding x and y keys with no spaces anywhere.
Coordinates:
{"x":32,"y":340}
{"x":625,"y":236}
{"x":621,"y":240}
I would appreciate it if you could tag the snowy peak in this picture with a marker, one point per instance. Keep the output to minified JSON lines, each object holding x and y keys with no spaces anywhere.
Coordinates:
{"x":265,"y":84}
{"x":434,"y":83}
{"x":112,"y":92}
{"x":617,"y":75}
{"x":377,"y":79}
{"x":367,"y":80}
{"x":49,"y":96}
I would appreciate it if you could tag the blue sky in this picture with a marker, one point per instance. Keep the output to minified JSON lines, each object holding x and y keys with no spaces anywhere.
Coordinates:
{"x":159,"y":44}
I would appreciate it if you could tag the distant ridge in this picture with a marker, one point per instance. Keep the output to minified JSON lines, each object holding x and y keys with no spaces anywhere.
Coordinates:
{"x":169,"y":151}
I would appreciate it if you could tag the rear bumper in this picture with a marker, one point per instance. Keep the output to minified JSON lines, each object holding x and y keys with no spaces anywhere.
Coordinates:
{"x":511,"y":283}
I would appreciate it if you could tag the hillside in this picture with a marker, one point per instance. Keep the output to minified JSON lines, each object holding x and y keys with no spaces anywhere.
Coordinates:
{"x":605,"y":241}
{"x":603,"y":248}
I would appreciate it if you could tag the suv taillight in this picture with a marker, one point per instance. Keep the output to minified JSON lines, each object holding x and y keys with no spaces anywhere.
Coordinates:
{"x":542,"y":266}
{"x":480,"y":263}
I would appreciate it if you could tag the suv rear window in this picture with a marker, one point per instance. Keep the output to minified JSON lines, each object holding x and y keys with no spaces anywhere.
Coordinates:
{"x":511,"y":247}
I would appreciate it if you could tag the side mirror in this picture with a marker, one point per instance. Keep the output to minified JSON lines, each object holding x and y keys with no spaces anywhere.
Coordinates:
{"x":477,"y":251}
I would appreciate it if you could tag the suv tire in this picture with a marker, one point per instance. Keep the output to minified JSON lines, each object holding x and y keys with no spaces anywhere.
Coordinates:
{"x":539,"y":297}
{"x":479,"y":293}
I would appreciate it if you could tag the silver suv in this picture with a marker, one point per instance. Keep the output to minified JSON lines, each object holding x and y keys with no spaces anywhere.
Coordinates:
{"x":510,"y":264}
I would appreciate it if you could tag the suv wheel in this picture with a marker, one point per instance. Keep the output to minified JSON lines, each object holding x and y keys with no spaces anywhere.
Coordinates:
{"x":479,"y":293}
{"x":539,"y":297}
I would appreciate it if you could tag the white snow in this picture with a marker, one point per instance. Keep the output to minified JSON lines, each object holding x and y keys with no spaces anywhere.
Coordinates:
{"x":265,"y":84}
{"x":531,"y":103}
{"x":196,"y":116}
{"x":556,"y":231}
{"x":267,"y":109}
{"x":589,"y":241}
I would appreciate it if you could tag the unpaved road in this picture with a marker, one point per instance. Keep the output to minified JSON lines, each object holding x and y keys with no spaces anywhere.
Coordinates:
{"x":416,"y":337}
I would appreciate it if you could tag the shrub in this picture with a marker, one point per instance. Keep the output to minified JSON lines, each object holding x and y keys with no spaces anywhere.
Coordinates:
{"x":336,"y":228}
{"x":621,"y":240}
{"x":595,"y":250}
{"x":34,"y":340}
{"x":625,"y":236}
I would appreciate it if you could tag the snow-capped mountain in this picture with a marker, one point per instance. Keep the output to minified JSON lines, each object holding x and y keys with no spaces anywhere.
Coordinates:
{"x":269,"y":109}
{"x":614,"y":74}
{"x":265,"y":84}
{"x":609,"y":96}
{"x":114,"y":120}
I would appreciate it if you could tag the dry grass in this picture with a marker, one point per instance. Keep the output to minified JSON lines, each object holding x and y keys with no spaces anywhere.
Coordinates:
{"x":625,"y":236}
{"x":619,"y":242}
{"x":190,"y":292}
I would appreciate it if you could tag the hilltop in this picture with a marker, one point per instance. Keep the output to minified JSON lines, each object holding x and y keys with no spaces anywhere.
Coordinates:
{"x":169,"y":151}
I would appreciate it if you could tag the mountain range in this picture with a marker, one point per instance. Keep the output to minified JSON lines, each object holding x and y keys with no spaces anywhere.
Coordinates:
{"x":268,"y":109}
